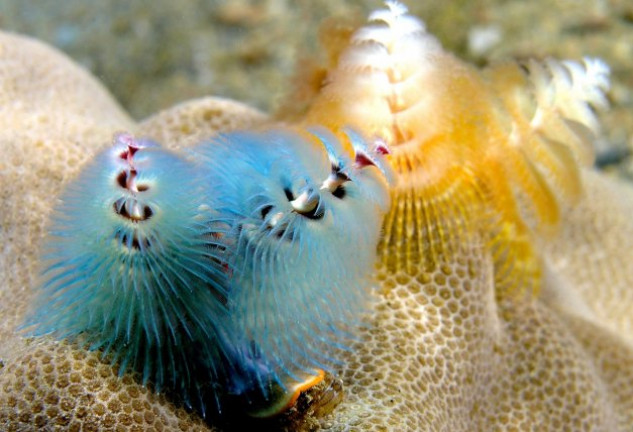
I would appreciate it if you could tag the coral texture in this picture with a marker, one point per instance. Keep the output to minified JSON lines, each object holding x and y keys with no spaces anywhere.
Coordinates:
{"x":442,"y":349}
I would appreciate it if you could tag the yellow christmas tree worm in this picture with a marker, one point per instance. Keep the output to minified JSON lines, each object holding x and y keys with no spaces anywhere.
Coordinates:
{"x":496,"y":150}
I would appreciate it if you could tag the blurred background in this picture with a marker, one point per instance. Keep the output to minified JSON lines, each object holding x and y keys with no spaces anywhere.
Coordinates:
{"x":154,"y":53}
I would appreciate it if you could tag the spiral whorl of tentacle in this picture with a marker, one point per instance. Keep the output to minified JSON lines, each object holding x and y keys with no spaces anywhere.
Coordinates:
{"x":131,"y":269}
{"x":303,"y":217}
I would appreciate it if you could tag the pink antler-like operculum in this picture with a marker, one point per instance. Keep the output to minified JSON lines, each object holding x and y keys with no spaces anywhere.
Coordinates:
{"x":364,"y":158}
{"x":128,"y":206}
{"x":127,"y":140}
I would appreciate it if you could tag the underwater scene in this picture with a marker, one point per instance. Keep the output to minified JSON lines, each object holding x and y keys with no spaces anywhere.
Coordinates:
{"x":324,"y":215}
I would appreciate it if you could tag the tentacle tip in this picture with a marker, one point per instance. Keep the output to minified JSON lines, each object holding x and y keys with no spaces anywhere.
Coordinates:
{"x":396,"y":7}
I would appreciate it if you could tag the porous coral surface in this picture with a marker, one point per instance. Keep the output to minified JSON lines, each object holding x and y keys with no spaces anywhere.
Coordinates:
{"x":55,"y":387}
{"x":439,"y":351}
